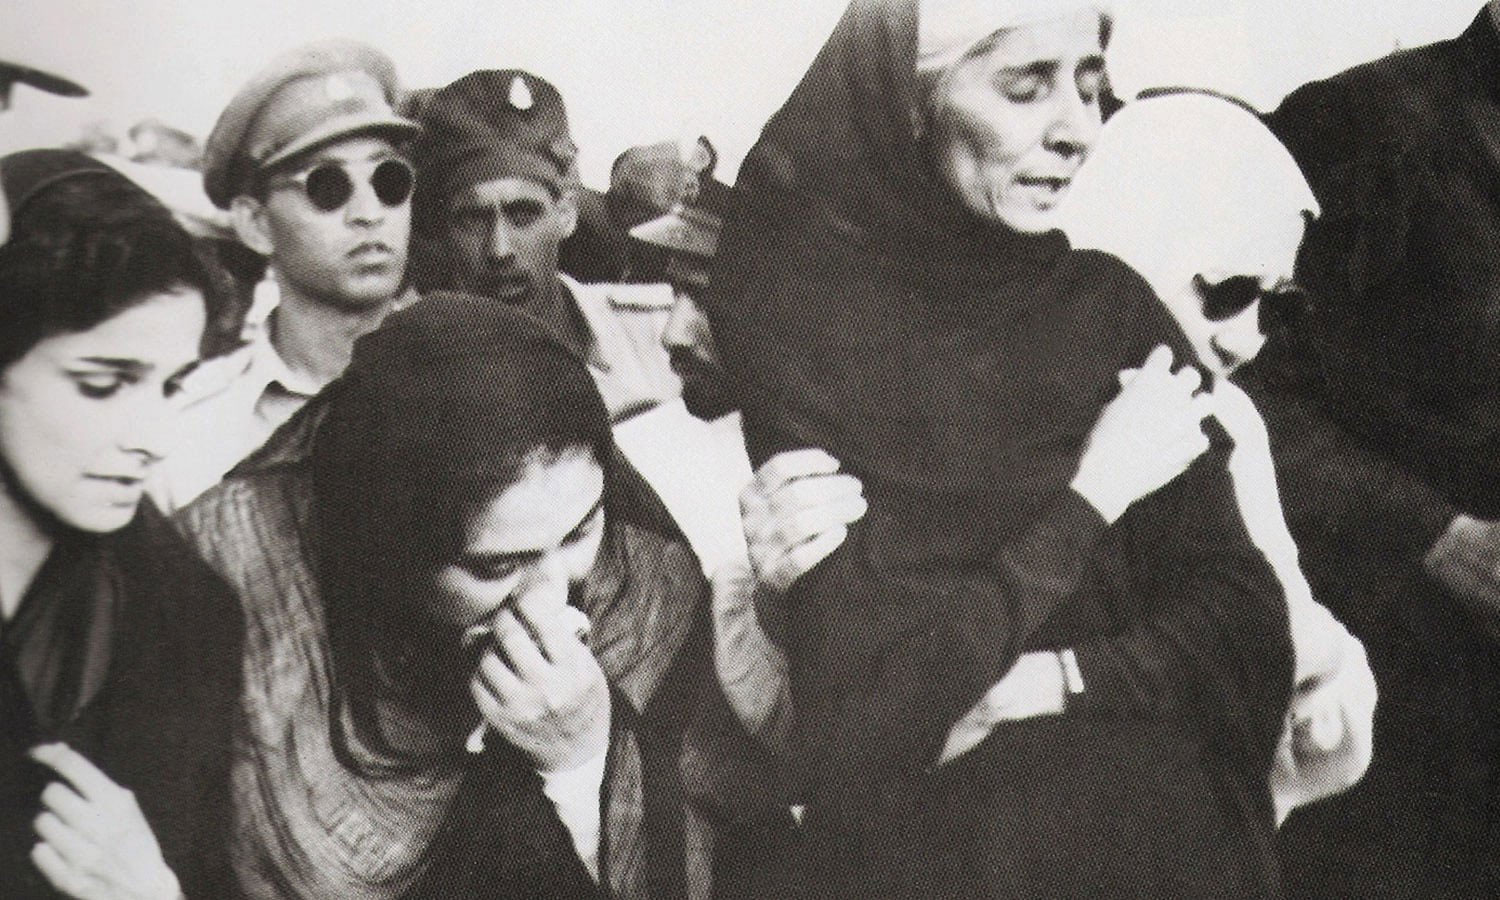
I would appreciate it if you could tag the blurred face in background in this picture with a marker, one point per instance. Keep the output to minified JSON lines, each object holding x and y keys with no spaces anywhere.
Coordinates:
{"x":689,"y":341}
{"x":1011,"y":122}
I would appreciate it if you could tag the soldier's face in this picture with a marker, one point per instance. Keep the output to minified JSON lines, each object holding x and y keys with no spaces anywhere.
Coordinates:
{"x":503,"y":237}
{"x":353,"y":256}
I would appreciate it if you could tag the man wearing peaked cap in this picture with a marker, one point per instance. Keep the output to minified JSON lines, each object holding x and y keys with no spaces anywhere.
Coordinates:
{"x":309,"y":158}
{"x":688,"y":234}
{"x":497,"y":196}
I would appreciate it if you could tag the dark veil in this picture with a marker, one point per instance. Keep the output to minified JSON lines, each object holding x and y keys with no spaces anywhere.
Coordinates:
{"x":953,"y":364}
{"x":426,"y":422}
{"x":867,"y":312}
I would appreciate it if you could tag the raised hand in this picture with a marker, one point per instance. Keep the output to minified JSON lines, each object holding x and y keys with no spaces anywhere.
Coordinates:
{"x":95,"y":843}
{"x":795,"y":511}
{"x":540,"y":687}
{"x":1148,"y":435}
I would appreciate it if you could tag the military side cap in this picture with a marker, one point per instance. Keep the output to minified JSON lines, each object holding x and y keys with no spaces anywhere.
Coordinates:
{"x":651,"y":179}
{"x":492,"y":124}
{"x":685,"y":203}
{"x":304,"y":99}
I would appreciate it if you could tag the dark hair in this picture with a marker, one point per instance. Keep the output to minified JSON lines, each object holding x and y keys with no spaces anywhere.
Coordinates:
{"x":82,"y":251}
{"x":441,"y":411}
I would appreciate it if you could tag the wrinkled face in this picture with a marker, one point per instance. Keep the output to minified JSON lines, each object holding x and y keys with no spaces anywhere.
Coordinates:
{"x":690,"y":345}
{"x":503,"y":236}
{"x":352,"y":257}
{"x":549,"y":524}
{"x":1216,"y":296}
{"x":1012,"y":123}
{"x":84,"y":416}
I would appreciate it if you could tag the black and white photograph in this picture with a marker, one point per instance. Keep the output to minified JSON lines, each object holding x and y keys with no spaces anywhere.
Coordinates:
{"x":715,"y":450}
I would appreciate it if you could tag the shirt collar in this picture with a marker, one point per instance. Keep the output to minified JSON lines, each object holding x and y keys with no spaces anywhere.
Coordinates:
{"x":267,"y":367}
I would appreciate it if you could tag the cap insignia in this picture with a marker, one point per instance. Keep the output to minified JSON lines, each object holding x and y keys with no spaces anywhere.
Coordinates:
{"x":520,"y":94}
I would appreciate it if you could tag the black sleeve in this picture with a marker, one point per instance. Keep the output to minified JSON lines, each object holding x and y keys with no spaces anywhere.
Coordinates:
{"x":1205,"y":635}
{"x":888,"y":647}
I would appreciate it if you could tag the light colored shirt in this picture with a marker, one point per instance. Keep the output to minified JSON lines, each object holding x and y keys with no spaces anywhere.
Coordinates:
{"x":698,"y":469}
{"x":575,"y":795}
{"x":624,"y":352}
{"x":235,"y":403}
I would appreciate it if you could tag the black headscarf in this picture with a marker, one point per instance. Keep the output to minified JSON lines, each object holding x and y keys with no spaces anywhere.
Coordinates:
{"x":956,"y":365}
{"x":437,"y":410}
{"x":866,"y":311}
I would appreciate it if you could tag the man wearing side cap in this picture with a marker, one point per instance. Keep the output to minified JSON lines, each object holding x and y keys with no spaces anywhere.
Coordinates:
{"x":308,"y":158}
{"x":497,"y":195}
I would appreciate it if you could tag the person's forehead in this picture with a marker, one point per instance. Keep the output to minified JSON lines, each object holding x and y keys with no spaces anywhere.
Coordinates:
{"x":356,"y":149}
{"x":1261,"y":243}
{"x":1052,"y":40}
{"x":554,"y":494}
{"x":500,"y":191}
{"x":146,"y":332}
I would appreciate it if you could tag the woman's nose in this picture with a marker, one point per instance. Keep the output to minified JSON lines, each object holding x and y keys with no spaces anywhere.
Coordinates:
{"x":149,"y":429}
{"x":1075,"y":125}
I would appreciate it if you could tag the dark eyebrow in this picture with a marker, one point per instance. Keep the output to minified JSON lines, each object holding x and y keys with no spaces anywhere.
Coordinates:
{"x":1042,"y":68}
{"x":109,"y":362}
{"x":583,"y":522}
{"x":526,"y":203}
{"x":480,"y":560}
{"x":1092,"y":63}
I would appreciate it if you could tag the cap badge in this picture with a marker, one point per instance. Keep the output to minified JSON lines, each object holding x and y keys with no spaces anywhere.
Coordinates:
{"x":337,"y":88}
{"x":520,"y":94}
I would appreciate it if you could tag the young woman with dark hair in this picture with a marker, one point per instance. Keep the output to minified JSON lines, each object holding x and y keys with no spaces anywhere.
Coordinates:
{"x":119,"y":651}
{"x":476,"y":637}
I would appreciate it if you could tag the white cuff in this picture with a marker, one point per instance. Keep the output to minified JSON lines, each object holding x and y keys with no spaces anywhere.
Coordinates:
{"x":575,"y":794}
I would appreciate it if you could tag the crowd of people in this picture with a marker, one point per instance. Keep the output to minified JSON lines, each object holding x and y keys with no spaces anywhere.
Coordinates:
{"x":1005,"y":488}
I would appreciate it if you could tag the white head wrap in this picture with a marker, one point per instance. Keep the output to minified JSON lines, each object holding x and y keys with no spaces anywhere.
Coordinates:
{"x":1210,"y":44}
{"x":947,"y":29}
{"x":1169,"y":175}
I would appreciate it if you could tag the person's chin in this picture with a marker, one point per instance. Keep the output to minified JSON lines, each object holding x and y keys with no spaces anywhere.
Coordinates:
{"x":516,"y":292}
{"x":369,"y":289}
{"x":101,"y":518}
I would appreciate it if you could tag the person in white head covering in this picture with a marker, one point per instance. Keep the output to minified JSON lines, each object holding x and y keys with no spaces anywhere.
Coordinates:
{"x":1198,"y":196}
{"x":893,"y":290}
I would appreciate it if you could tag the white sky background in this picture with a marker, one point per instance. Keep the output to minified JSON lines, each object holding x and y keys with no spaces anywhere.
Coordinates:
{"x":631,"y":71}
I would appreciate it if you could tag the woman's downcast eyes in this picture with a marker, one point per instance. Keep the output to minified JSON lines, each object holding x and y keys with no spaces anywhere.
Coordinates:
{"x":101,"y":385}
{"x":1034,"y":83}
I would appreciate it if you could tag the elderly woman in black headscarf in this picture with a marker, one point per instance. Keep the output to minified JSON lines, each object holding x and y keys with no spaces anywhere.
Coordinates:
{"x":889,"y":289}
{"x":475,"y":636}
{"x":119,"y":648}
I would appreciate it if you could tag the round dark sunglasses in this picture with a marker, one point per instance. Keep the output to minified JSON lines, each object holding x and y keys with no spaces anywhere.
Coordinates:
{"x":328,"y":186}
{"x":1228,"y":298}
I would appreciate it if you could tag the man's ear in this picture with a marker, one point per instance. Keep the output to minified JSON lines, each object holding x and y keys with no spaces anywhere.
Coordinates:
{"x":249,"y":218}
{"x":567,"y":209}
